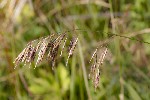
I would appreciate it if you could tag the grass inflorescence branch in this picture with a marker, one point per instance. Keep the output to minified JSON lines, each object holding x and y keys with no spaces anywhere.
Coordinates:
{"x":48,"y":47}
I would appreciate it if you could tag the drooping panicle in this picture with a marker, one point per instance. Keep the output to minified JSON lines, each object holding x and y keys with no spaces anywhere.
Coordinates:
{"x":96,"y":79}
{"x":92,"y":70}
{"x":72,"y":46}
{"x":29,"y":45}
{"x":93,"y":55}
{"x":42,"y":51}
{"x":18,"y":60}
{"x":63,"y":46}
{"x":28,"y":53}
{"x":32,"y":55}
{"x":59,"y":40}
{"x":102,"y":57}
{"x":54,"y":53}
{"x":23,"y":55}
{"x":99,"y":58}
{"x":50,"y":51}
{"x":54,"y":48}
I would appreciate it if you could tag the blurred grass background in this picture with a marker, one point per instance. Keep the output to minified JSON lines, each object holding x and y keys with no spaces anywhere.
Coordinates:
{"x":125,"y":74}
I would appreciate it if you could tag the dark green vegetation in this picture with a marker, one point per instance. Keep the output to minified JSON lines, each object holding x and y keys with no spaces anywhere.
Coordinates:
{"x":125,"y":74}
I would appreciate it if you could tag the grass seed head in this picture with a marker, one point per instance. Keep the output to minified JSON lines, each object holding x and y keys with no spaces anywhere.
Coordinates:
{"x":72,"y":46}
{"x":102,"y":57}
{"x":42,"y":52}
{"x":63,"y":46}
{"x":18,"y":60}
{"x":93,"y":55}
{"x":54,"y":53}
{"x":95,"y":68}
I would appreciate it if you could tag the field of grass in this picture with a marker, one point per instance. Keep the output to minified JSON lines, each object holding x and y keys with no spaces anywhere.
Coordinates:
{"x":125,"y":73}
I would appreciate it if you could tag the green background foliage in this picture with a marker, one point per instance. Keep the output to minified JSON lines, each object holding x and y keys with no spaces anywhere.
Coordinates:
{"x":125,"y":74}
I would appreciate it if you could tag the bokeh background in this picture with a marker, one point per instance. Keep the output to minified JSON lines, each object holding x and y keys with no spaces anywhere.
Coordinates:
{"x":125,"y":74}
